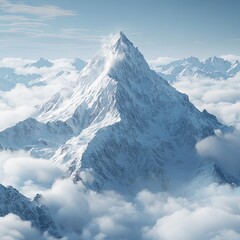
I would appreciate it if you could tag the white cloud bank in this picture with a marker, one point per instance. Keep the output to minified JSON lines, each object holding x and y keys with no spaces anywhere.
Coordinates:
{"x":20,"y":102}
{"x":210,"y":213}
{"x":201,"y":212}
{"x":224,"y":149}
{"x":205,"y":213}
{"x":219,"y":97}
{"x":27,"y":174}
{"x":13,"y":228}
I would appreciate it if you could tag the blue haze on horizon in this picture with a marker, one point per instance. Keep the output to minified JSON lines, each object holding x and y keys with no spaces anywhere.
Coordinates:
{"x":173,"y":28}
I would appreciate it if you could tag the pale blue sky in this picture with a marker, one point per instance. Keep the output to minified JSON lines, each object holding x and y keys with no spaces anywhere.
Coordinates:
{"x":74,"y":28}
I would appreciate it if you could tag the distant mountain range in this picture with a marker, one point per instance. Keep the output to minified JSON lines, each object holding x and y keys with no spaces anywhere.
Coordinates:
{"x":9,"y":77}
{"x":213,"y":68}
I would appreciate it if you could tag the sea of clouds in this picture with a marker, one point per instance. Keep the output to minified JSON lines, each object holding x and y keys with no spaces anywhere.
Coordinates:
{"x":21,"y":102}
{"x":219,"y":97}
{"x":198,"y":211}
{"x":203,"y":212}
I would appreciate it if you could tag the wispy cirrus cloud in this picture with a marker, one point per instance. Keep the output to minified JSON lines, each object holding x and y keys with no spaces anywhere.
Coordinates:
{"x":10,"y":21}
{"x":23,"y":23}
{"x":36,"y":26}
{"x":42,"y":11}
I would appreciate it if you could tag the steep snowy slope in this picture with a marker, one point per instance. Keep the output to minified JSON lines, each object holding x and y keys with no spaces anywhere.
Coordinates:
{"x":213,"y":68}
{"x":123,"y":124}
{"x":41,"y":139}
{"x":11,"y":201}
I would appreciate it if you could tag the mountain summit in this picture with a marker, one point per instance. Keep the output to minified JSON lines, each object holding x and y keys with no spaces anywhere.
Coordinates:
{"x":121,"y":125}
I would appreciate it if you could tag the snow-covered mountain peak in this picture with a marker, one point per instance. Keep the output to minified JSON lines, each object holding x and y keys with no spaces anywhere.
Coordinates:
{"x":192,"y":60}
{"x":121,"y":123}
{"x":118,"y":61}
{"x":119,"y":42}
{"x":40,"y":63}
{"x":117,"y":73}
{"x":118,"y":49}
{"x":217,"y":63}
